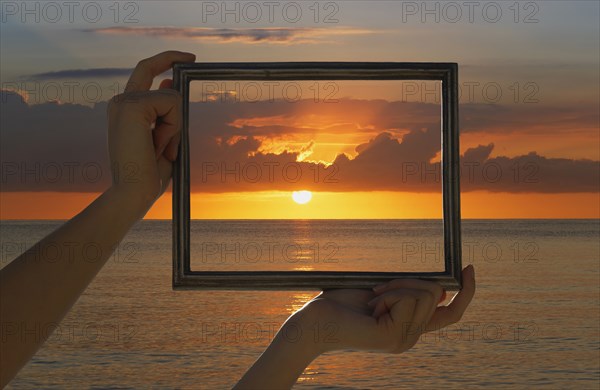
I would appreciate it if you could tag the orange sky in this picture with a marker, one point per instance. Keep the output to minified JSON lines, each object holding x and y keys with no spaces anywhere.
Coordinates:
{"x":544,"y":74}
{"x":52,"y":205}
{"x":321,"y":132}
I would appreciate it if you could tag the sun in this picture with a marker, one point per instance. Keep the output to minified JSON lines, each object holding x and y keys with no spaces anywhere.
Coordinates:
{"x":302,"y":197}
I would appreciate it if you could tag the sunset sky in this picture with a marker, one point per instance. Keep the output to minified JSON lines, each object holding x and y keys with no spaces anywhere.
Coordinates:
{"x":530,"y":143}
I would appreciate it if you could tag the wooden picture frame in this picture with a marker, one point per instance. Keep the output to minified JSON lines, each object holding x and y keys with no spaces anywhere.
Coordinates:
{"x":183,"y":73}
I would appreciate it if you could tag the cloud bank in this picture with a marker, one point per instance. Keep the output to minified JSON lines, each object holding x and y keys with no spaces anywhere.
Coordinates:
{"x":93,"y":73}
{"x":269,"y":35}
{"x":62,"y":147}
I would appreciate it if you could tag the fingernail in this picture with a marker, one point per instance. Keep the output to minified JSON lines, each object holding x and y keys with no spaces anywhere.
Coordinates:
{"x":379,"y":288}
{"x":173,"y":152}
{"x":443,"y":296}
{"x":471,"y":269}
{"x":161,"y":148}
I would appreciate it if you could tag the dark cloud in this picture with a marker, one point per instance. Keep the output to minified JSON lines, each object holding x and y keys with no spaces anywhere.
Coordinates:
{"x":386,"y":163}
{"x":277,"y":35}
{"x":93,"y":73}
{"x":279,"y":117}
{"x":518,"y":118}
{"x":61,"y":147}
{"x":52,"y":147}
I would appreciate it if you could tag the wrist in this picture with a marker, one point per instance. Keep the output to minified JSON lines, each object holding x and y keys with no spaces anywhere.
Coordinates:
{"x":315,"y":332}
{"x":300,"y":335}
{"x":321,"y":328}
{"x":131,"y":202}
{"x":284,"y":360}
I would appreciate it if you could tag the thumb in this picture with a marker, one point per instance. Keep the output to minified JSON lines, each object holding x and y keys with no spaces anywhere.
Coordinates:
{"x":165,"y":142}
{"x":166,"y":84}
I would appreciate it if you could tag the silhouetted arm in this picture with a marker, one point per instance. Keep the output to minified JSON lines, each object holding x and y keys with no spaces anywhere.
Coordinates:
{"x":389,"y":319}
{"x":36,"y":292}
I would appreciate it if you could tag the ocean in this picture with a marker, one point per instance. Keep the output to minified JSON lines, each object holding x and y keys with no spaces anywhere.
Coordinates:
{"x":534,"y":322}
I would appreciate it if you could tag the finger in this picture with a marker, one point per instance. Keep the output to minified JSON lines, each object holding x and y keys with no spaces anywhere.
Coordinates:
{"x":166,"y":84}
{"x":453,"y":312}
{"x":347,"y":295}
{"x":383,"y":303}
{"x":172,"y":149}
{"x":434,"y":288}
{"x":425,"y":305}
{"x":165,"y":170}
{"x":401,"y":309}
{"x":163,"y":134}
{"x":381,"y":306}
{"x":142,"y":109}
{"x":373,"y":302}
{"x":443,"y":297}
{"x":162,"y":145}
{"x":145,"y":71}
{"x":163,"y":103}
{"x":417,"y":325}
{"x":148,"y":107}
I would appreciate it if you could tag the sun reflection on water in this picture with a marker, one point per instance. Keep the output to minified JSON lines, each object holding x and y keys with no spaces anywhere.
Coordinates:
{"x":299,"y":300}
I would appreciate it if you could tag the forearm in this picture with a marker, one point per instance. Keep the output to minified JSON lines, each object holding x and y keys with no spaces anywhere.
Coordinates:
{"x":284,"y":360}
{"x":68,"y":258}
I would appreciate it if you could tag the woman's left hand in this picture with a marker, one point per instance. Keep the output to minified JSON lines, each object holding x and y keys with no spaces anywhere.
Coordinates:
{"x":389,"y":319}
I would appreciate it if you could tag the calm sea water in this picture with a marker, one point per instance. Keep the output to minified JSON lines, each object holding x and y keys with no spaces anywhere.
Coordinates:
{"x":533,"y":323}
